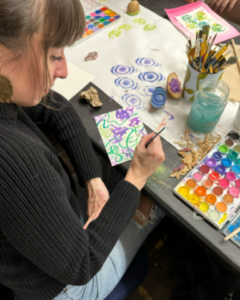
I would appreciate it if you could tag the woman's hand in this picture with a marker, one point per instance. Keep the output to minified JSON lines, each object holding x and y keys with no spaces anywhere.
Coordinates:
{"x":98,"y":195}
{"x":145,"y":160}
{"x":220,"y":5}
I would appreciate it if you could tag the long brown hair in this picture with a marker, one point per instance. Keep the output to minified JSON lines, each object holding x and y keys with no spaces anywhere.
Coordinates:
{"x":62,"y":23}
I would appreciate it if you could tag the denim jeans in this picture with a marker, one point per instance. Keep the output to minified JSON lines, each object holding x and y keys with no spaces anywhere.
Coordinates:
{"x":101,"y":285}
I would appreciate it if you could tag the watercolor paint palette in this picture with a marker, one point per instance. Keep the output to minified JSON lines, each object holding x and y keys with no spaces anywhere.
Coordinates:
{"x":212,"y":188}
{"x":233,"y":225}
{"x":99,"y":19}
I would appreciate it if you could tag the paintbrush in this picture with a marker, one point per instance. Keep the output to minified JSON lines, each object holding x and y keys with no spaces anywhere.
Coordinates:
{"x":232,"y":234}
{"x":231,"y":61}
{"x":155,"y":136}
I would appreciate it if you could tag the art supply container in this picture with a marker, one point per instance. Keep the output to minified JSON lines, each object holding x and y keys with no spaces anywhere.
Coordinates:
{"x":214,"y":215}
{"x":204,"y":169}
{"x":223,"y":149}
{"x":221,"y":170}
{"x":233,"y":155}
{"x":229,"y":142}
{"x":214,"y":176}
{"x":211,"y":162}
{"x":236,"y":169}
{"x":233,"y":191}
{"x":237,"y":119}
{"x":230,"y":176}
{"x":204,"y":207}
{"x":197,"y":176}
{"x":208,"y":106}
{"x":224,"y":183}
{"x":217,"y":155}
{"x":228,"y":199}
{"x":211,"y":199}
{"x":207,"y":183}
{"x":184,"y":191}
{"x":201,"y":191}
{"x":221,"y":207}
{"x":226,"y":162}
{"x":194,"y":199}
{"x":237,"y":183}
{"x":237,"y":148}
{"x":194,"y":79}
{"x":217,"y":191}
{"x":191,"y":184}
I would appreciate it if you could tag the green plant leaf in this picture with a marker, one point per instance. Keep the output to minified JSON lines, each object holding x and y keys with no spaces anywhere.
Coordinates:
{"x":188,"y":75}
{"x":220,"y":77}
{"x":189,"y":91}
{"x":200,"y":77}
{"x":191,"y":99}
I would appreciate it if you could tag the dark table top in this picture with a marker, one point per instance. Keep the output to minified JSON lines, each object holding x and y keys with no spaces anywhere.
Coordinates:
{"x":159,"y":188}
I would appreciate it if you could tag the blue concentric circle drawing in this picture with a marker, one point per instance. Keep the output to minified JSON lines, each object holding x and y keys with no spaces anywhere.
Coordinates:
{"x":126,"y":83}
{"x":122,"y":70}
{"x":133,"y":100}
{"x":148,"y":91}
{"x":146,"y":62}
{"x":150,"y":76}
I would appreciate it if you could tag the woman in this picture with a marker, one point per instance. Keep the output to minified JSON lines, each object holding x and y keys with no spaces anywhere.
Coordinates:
{"x":45,"y":252}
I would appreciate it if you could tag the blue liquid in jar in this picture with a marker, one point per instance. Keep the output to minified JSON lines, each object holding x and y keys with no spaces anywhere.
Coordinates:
{"x":204,"y":115}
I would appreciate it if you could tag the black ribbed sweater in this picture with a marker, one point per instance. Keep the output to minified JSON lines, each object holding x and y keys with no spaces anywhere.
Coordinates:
{"x":43,"y":246}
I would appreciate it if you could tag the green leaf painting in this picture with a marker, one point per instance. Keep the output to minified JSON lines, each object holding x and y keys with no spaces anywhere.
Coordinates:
{"x":200,"y":77}
{"x":194,"y":21}
{"x":149,"y":27}
{"x":121,"y":131}
{"x":140,"y":21}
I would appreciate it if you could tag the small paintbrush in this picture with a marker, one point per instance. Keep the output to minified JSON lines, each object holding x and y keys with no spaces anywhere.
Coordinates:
{"x":155,"y":136}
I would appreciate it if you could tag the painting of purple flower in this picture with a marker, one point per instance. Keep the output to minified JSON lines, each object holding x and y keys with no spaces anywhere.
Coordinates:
{"x":119,"y":131}
{"x":122,"y":114}
{"x":134,"y":121}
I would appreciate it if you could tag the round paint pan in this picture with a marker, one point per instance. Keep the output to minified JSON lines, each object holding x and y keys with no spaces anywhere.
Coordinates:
{"x":228,"y":199}
{"x":218,"y":191}
{"x":221,"y":207}
{"x":214,"y":215}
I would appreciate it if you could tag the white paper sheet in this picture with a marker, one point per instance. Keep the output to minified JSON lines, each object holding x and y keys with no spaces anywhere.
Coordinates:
{"x":131,"y":65}
{"x":75,"y":81}
{"x":196,"y":19}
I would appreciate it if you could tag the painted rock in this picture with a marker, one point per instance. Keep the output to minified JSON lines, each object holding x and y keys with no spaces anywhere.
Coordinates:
{"x":133,"y":8}
{"x":159,"y":97}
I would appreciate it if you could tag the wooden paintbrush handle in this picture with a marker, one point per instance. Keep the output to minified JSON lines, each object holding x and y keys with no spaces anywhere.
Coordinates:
{"x":236,"y":53}
{"x":232,"y":234}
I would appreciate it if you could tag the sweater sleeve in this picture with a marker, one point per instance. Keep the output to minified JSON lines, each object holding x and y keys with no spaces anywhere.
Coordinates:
{"x":62,"y":119}
{"x":38,"y":221}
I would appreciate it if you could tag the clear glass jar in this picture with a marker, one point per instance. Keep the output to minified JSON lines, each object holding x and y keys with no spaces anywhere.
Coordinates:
{"x":208,"y":106}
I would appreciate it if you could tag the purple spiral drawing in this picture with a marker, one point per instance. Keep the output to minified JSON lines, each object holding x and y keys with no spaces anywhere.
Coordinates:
{"x":133,"y":100}
{"x":126,"y":83}
{"x":146,"y":62}
{"x":122,"y":70}
{"x":151,"y":76}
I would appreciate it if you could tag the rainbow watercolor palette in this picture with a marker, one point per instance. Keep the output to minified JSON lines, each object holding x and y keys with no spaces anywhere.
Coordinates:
{"x":212,"y":188}
{"x":98,"y":20}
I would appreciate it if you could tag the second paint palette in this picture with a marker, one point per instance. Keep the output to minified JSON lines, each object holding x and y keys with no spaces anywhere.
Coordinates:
{"x":212,"y":188}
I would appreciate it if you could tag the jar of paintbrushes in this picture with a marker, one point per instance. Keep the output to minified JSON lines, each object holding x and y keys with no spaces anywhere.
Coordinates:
{"x":208,"y":106}
{"x":205,"y":62}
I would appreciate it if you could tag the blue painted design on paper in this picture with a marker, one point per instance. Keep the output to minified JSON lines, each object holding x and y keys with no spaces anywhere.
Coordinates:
{"x":148,"y":91}
{"x":133,"y":100}
{"x":122,"y":70}
{"x":151,"y":76}
{"x":146,"y":62}
{"x":126,"y":83}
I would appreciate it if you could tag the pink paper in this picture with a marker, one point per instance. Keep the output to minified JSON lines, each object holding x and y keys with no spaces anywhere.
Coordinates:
{"x":175,"y":12}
